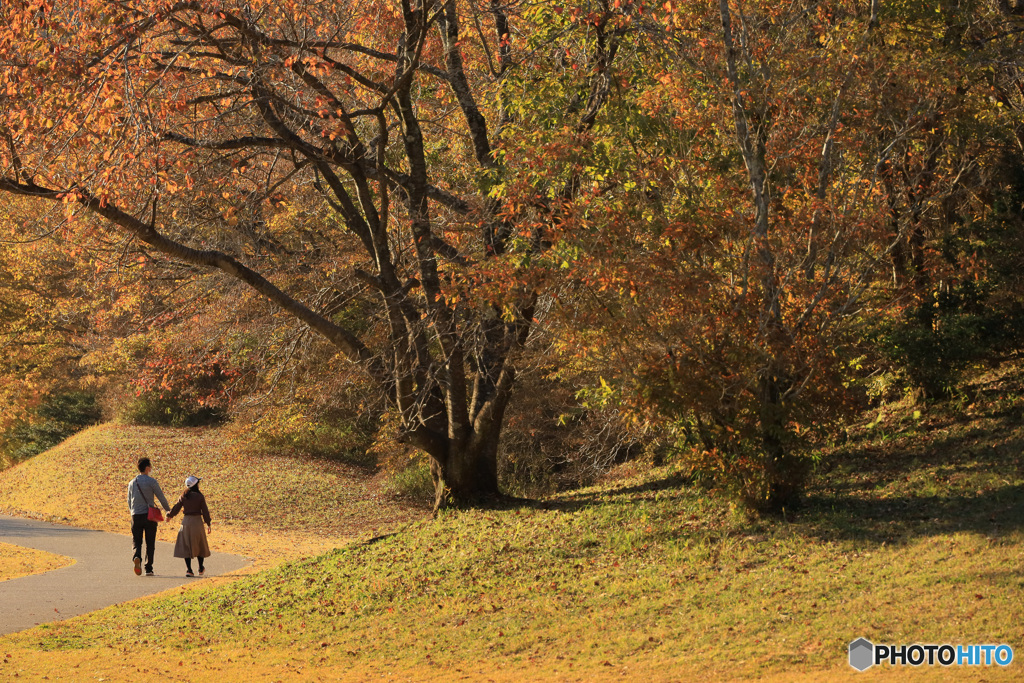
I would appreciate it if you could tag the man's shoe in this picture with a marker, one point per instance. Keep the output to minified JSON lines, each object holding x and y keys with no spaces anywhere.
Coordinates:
{"x":150,"y":573}
{"x":138,"y":566}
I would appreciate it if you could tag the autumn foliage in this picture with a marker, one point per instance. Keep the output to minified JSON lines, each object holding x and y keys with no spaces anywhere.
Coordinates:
{"x":697,"y":219}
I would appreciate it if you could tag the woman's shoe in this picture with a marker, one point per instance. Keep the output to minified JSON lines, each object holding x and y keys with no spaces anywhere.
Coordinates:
{"x":202,"y":572}
{"x":189,"y":574}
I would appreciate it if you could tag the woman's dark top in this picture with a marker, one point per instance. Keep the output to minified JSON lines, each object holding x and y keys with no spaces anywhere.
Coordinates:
{"x":193,"y":503}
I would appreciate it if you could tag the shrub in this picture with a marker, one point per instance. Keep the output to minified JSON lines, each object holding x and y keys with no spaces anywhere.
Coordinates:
{"x":938,"y":341}
{"x":412,"y":481}
{"x":176,"y":392}
{"x":335,"y":435}
{"x":169,"y":409}
{"x":556,"y":438}
{"x":58,"y":416}
{"x":762,"y":485}
{"x":968,"y":307}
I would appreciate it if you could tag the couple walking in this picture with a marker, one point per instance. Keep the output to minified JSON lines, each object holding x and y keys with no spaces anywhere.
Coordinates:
{"x":143,"y":493}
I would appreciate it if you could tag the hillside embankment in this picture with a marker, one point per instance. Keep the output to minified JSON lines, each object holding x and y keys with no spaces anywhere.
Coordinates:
{"x":267,"y":508}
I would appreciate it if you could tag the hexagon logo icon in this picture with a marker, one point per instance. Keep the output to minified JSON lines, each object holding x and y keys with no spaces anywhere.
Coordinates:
{"x":862,"y":654}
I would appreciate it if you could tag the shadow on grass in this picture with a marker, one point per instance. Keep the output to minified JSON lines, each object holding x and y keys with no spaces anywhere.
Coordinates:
{"x":994,"y":441}
{"x":875,"y":496}
{"x":954,"y":472}
{"x":572,"y":502}
{"x":899,"y":519}
{"x":956,"y":469}
{"x":841,"y":515}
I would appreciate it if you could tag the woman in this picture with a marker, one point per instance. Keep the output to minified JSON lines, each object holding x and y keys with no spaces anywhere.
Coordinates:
{"x":191,"y":536}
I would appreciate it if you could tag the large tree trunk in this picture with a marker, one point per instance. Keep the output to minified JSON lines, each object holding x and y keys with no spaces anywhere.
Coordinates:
{"x":464,"y":466}
{"x":467,"y":474}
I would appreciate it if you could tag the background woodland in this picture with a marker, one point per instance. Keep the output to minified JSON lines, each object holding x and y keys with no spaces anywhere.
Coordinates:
{"x":494,"y":248}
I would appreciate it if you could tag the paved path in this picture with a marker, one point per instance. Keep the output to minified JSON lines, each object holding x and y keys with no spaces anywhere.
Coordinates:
{"x":102,"y":574}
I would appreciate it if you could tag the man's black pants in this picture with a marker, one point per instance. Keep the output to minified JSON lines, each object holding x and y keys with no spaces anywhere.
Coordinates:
{"x":141,"y":524}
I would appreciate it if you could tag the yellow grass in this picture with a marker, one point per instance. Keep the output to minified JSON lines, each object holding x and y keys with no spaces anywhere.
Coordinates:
{"x":16,"y":561}
{"x":269,"y":509}
{"x":311,"y":662}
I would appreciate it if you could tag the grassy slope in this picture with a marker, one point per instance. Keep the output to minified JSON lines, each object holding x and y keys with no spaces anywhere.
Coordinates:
{"x":914,"y":534}
{"x":16,"y":561}
{"x":268,"y":509}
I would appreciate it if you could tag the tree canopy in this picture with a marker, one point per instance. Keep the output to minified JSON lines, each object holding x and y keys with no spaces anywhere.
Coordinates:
{"x":708,"y":211}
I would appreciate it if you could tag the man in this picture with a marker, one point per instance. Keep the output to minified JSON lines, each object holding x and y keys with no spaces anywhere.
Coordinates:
{"x":142,"y":494}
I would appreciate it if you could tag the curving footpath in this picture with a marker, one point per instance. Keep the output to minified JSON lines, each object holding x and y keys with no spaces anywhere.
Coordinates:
{"x":101,"y":575}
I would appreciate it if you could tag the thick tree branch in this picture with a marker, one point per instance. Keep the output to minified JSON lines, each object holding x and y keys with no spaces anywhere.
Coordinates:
{"x":347,"y":342}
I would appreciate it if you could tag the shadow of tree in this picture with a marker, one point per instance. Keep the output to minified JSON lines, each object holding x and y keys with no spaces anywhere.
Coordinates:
{"x":971,"y":479}
{"x":954,"y":473}
{"x":955,"y":469}
{"x":571,"y":502}
{"x":994,"y":513}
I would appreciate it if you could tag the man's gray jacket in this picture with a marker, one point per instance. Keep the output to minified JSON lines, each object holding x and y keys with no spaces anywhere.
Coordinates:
{"x":141,"y":492}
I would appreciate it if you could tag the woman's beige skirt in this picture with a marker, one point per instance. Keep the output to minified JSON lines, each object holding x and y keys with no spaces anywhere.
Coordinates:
{"x":191,"y":538}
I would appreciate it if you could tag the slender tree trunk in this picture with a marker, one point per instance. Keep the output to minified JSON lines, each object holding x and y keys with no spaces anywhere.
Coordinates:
{"x":785,"y":473}
{"x":782,"y":470}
